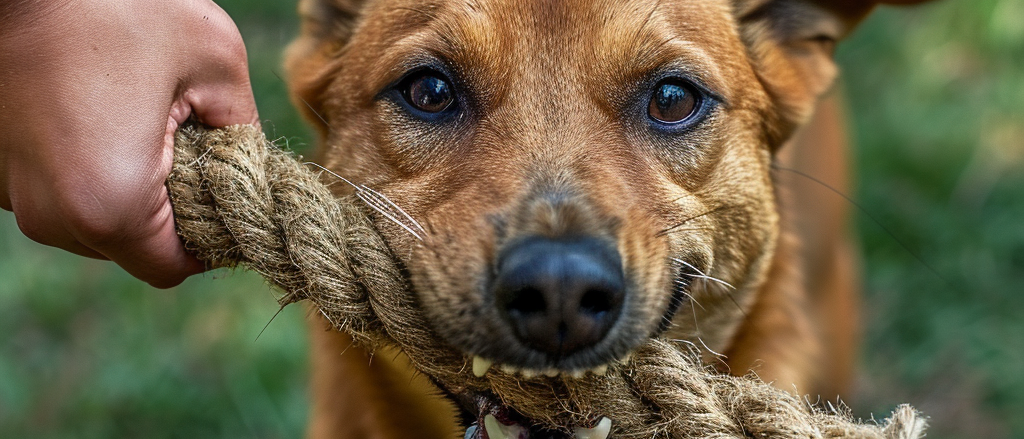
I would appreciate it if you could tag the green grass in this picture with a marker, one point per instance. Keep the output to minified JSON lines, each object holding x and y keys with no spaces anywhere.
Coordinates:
{"x":937,"y":106}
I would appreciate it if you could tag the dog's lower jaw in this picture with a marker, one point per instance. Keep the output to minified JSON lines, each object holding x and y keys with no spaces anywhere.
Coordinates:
{"x":486,"y":418}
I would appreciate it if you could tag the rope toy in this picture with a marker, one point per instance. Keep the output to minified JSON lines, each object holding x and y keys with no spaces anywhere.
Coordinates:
{"x":239,"y":200}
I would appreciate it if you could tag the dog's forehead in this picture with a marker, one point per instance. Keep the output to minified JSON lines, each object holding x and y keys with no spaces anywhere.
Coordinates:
{"x":575,"y":42}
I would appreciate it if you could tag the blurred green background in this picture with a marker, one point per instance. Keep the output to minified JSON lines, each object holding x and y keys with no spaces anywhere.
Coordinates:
{"x":937,"y":106}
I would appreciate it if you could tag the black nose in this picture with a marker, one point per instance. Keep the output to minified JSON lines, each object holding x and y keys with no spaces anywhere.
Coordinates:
{"x":560,"y":296}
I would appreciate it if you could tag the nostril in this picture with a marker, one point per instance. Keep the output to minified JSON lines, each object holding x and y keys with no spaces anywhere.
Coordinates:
{"x":560,"y":296}
{"x":527,"y":300}
{"x":597,"y":301}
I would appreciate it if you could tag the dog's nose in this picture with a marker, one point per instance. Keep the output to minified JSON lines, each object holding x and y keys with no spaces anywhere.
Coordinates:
{"x":560,"y":295}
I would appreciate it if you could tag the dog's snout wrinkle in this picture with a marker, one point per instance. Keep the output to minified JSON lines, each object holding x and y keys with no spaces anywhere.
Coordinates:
{"x":560,"y":295}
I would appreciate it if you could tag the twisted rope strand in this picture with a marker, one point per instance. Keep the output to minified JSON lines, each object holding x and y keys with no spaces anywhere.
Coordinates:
{"x":238,"y":200}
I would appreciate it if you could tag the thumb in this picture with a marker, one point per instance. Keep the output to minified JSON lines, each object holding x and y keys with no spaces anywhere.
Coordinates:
{"x":218,"y":89}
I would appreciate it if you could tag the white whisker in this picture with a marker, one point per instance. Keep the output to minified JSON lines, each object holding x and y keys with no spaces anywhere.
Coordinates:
{"x":695,"y":326}
{"x":688,"y":295}
{"x":714,"y":279}
{"x":374,"y":199}
{"x":703,"y":275}
{"x":682,"y":340}
{"x":374,"y":206}
{"x":400,"y":210}
{"x":680,"y":261}
{"x":694,"y":301}
{"x":709,"y":349}
{"x":334,"y":174}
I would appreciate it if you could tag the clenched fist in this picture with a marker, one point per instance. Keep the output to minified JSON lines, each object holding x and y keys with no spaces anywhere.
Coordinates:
{"x":91,"y":92}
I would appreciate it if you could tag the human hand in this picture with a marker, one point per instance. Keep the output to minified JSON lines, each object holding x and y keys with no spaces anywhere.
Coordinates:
{"x":91,"y":93}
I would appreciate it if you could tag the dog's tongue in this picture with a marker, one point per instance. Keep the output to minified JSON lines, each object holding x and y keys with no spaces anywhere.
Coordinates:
{"x":497,"y":421}
{"x":494,"y":429}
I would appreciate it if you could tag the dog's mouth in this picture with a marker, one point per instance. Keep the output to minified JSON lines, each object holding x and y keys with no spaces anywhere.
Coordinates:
{"x":485,"y":417}
{"x":488,"y":412}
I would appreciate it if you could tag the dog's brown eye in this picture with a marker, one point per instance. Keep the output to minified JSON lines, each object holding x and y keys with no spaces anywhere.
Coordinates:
{"x":428,"y":92}
{"x":673,"y":101}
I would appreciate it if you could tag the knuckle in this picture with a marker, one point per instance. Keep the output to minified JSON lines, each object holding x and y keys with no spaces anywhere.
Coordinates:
{"x":34,"y":221}
{"x":32,"y":228}
{"x":229,"y":43}
{"x":95,"y":220}
{"x":92,"y":229}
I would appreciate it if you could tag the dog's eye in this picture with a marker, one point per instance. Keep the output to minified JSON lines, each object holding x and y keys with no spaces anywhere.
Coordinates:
{"x":673,"y":101}
{"x":428,"y":91}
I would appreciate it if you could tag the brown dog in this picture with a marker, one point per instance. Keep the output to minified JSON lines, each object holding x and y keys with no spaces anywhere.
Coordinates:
{"x":580,"y":176}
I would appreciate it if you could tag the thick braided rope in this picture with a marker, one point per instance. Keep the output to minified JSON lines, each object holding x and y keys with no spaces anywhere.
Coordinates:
{"x":240,"y":200}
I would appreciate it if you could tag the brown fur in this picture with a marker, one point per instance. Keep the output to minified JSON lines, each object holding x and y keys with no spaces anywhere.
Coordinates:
{"x":550,"y":144}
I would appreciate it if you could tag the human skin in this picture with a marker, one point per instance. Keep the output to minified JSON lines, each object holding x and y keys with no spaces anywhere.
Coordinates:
{"x":91,"y":92}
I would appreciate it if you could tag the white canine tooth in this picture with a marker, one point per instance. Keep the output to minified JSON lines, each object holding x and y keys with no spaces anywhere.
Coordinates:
{"x":493,"y":428}
{"x":601,"y":370}
{"x":497,"y":430}
{"x":599,"y":432}
{"x":480,"y":365}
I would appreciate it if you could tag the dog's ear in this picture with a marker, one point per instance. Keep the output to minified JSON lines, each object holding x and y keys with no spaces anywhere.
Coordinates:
{"x":327,"y":26}
{"x":790,"y":43}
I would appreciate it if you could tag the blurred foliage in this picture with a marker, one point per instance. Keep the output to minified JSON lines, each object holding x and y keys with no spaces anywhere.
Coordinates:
{"x":87,"y":351}
{"x":937,"y":110}
{"x":937,"y":97}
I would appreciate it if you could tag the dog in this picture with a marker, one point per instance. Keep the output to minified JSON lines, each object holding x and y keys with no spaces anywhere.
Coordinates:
{"x":579,"y":176}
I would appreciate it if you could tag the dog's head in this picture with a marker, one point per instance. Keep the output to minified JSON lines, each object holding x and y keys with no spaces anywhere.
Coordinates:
{"x":560,"y":178}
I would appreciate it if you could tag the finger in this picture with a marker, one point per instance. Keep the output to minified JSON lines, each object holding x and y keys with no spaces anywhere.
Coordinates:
{"x":219,"y":91}
{"x":44,"y":225}
{"x":136,"y":233}
{"x":157,"y":257}
{"x":220,"y":105}
{"x":152,"y":250}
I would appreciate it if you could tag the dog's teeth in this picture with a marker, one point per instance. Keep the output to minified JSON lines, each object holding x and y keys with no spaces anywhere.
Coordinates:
{"x":529,"y":373}
{"x":552,"y":372}
{"x":480,"y":365}
{"x":601,"y":370}
{"x":578,"y":373}
{"x":509,"y":369}
{"x":497,"y":430}
{"x":493,"y":427}
{"x":599,"y":432}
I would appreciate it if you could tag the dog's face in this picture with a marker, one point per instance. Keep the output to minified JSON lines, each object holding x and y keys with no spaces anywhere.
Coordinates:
{"x":562,"y":178}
